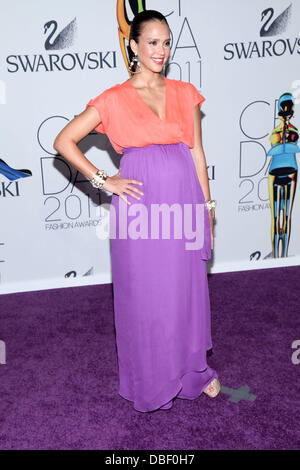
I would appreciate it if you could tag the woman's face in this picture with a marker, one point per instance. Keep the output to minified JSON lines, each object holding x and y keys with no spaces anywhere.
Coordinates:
{"x":153,"y":48}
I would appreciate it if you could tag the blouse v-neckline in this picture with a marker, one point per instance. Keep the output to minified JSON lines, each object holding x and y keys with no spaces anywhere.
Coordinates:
{"x":145,"y":104}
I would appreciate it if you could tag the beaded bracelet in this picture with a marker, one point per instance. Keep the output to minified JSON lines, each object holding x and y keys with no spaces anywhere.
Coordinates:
{"x":99,"y":179}
{"x":211,"y":204}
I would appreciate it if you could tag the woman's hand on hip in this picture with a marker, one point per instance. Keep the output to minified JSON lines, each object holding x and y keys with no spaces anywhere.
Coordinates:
{"x":120,"y":186}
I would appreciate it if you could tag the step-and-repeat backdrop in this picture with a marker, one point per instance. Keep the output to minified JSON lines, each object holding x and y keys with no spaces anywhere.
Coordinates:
{"x":243,"y":56}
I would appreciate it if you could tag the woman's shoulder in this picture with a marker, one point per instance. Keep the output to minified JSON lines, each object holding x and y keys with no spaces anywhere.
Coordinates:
{"x":113,"y":88}
{"x":181,"y":85}
{"x":116,"y":89}
{"x":107,"y":92}
{"x":187,"y":92}
{"x":171,"y":81}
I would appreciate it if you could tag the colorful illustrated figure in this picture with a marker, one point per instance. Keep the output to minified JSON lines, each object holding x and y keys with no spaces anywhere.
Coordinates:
{"x":135,"y":7}
{"x":282,"y":177}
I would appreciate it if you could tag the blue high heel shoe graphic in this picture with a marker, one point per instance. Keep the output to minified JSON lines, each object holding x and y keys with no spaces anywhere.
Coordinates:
{"x":11,"y":173}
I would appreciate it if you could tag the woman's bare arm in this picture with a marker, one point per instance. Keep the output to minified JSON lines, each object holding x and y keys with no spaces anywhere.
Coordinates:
{"x":66,"y":145}
{"x":198,"y":154}
{"x":66,"y":141}
{"x":200,"y":164}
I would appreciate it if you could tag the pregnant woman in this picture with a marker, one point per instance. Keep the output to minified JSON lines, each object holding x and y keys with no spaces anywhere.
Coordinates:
{"x":161,"y":297}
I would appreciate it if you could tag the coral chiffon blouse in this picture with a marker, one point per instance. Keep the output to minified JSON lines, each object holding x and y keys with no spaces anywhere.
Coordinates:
{"x":129,"y":122}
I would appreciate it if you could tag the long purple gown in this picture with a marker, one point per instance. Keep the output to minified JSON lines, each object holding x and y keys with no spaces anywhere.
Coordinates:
{"x":161,"y":296}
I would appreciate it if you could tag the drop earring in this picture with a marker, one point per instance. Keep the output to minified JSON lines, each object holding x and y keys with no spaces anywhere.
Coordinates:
{"x":135,"y":59}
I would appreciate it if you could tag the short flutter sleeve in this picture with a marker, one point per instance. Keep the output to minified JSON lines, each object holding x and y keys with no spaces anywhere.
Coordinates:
{"x":190,"y":98}
{"x":100,"y":104}
{"x":195,"y":96}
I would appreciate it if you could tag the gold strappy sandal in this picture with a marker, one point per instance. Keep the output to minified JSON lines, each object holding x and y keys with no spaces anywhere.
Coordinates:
{"x":213,"y":389}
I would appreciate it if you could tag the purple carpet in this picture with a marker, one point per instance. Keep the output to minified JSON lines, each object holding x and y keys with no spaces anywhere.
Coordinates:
{"x":59,"y":386}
